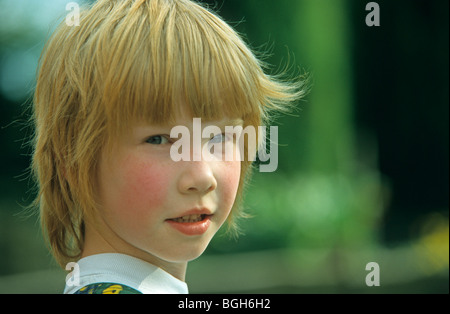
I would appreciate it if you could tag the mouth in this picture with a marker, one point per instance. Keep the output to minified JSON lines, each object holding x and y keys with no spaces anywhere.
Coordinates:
{"x":191,"y":224}
{"x":190,"y":218}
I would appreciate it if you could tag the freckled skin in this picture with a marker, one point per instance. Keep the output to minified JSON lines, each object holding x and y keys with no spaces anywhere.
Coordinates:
{"x":140,"y":187}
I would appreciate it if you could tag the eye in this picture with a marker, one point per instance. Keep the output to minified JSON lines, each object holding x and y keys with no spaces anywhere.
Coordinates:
{"x":157,"y":140}
{"x":220,"y":138}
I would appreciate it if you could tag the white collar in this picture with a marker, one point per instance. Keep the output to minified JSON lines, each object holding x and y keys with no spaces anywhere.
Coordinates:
{"x":126,"y":270}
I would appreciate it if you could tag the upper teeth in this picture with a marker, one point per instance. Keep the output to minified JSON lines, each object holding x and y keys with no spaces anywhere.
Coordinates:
{"x":189,"y":218}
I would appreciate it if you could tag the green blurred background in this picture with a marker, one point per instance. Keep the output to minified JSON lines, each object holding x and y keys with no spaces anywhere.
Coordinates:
{"x":363,"y":163}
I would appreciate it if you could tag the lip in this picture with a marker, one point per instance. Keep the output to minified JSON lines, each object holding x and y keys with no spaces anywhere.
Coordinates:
{"x":192,"y":228}
{"x":195,"y":211}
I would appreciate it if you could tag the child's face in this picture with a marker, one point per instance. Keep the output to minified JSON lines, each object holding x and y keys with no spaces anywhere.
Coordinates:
{"x":142,"y":192}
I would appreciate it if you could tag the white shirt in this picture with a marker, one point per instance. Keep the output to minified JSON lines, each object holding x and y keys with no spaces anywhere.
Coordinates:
{"x":125,"y":270}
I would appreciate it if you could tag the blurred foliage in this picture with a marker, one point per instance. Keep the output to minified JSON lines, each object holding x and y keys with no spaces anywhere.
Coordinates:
{"x":363,"y":163}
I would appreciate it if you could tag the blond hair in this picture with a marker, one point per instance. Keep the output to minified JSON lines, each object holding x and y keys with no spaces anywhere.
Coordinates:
{"x":128,"y":61}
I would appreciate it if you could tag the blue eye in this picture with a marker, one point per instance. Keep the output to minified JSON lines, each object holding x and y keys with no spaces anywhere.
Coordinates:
{"x":219,"y":138}
{"x":157,"y":140}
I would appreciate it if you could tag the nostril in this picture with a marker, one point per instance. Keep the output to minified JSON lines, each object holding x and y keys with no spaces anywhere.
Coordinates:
{"x":201,"y":189}
{"x":197,"y":178}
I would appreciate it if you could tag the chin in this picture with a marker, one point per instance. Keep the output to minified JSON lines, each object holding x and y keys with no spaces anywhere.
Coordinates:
{"x":185,"y":253}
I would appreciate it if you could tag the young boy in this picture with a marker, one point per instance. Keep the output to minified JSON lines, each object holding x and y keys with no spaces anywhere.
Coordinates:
{"x":109,"y":92}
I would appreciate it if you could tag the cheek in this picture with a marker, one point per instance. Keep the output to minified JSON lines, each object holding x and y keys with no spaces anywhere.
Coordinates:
{"x":145,"y":186}
{"x":231,"y":177}
{"x":136,"y":189}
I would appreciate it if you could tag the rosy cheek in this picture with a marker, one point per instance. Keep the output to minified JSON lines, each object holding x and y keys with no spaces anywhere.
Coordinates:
{"x":144,"y":187}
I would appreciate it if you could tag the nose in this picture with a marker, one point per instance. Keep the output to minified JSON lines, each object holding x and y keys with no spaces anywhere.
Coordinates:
{"x":196,"y":177}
